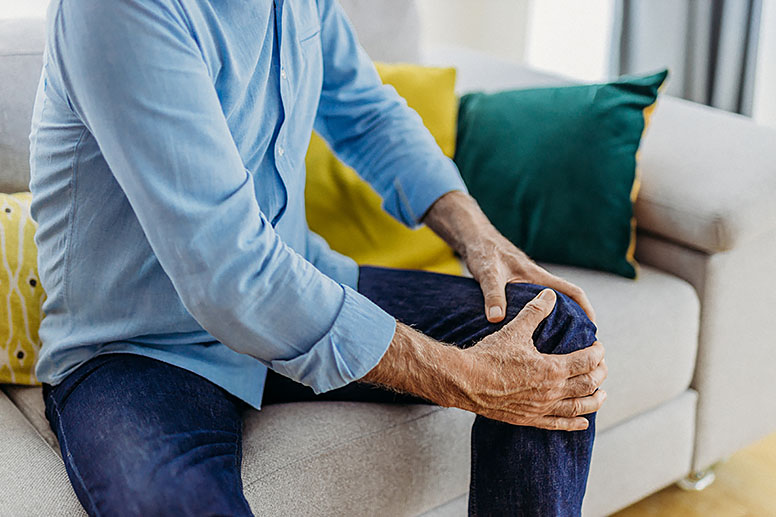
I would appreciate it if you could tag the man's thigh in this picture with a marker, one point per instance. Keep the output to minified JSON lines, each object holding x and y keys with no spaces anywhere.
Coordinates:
{"x":449,"y":309}
{"x":141,"y":437}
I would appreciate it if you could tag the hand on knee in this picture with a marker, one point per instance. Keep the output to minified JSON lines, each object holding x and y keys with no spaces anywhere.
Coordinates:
{"x":512,"y":381}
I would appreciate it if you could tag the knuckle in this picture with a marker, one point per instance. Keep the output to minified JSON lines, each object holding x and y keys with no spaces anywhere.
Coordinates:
{"x":589,"y":385}
{"x":489,"y":280}
{"x":600,"y":376}
{"x":493,"y":299}
{"x":553,"y":369}
{"x":551,"y":395}
{"x":542,"y":397}
{"x":571,"y":408}
{"x":534,"y":306}
{"x":581,"y":363}
{"x":564,"y":410}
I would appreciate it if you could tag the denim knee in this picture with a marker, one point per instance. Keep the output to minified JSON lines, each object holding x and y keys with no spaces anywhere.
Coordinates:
{"x":565,"y":330}
{"x":168,"y":490}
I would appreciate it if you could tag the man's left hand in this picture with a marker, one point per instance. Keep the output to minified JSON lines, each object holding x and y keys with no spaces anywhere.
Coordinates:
{"x":492,"y":259}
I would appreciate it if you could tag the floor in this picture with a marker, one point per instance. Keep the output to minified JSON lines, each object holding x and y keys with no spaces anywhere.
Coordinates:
{"x":745,"y":487}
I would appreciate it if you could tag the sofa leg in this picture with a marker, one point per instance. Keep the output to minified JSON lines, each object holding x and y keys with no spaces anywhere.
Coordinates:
{"x":697,"y":480}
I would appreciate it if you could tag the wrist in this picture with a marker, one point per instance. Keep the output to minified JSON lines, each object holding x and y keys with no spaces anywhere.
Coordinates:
{"x":458,"y":220}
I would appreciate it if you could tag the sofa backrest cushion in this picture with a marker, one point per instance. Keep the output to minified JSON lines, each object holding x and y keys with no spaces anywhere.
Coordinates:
{"x":21,"y":54}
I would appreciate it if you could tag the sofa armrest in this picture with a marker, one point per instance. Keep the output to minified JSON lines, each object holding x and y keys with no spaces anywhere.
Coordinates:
{"x":708,"y":177}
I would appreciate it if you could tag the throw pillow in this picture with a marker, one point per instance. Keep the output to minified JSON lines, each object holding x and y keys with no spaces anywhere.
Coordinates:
{"x":555,"y":168}
{"x":21,"y":295}
{"x":347,"y":212}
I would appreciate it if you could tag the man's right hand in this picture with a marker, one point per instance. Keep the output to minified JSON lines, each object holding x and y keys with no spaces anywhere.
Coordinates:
{"x":503,"y":377}
{"x":511,"y":381}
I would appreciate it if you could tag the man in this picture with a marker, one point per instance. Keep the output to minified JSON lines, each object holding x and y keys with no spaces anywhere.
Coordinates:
{"x":167,"y":162}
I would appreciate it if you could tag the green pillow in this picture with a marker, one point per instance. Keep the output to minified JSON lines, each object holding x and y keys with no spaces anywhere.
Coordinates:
{"x":555,"y":168}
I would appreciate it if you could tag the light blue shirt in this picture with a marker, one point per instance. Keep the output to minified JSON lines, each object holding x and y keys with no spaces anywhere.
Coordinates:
{"x":168,"y":176}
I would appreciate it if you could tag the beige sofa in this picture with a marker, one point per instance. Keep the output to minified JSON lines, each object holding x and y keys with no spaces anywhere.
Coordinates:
{"x":692,"y":361}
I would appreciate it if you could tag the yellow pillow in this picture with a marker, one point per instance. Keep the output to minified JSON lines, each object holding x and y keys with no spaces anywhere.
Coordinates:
{"x":347,"y":212}
{"x":21,"y":295}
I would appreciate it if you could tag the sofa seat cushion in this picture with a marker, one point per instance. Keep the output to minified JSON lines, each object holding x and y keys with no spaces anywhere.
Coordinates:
{"x":345,"y":458}
{"x":29,"y":400}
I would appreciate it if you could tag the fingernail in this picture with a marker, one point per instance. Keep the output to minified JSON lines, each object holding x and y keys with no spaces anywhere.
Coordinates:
{"x":545,"y":294}
{"x":494,"y":312}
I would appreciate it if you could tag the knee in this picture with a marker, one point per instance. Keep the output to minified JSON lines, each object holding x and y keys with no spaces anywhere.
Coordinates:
{"x":565,"y":330}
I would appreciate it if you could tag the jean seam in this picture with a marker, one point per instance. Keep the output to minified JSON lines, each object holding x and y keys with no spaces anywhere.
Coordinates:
{"x":237,"y":469}
{"x":236,"y":450}
{"x":472,"y":480}
{"x":69,"y":457}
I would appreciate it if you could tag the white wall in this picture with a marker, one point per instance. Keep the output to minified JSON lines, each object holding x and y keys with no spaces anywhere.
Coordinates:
{"x":571,"y":38}
{"x":498,"y":27}
{"x":23,"y":8}
{"x":765,"y":83}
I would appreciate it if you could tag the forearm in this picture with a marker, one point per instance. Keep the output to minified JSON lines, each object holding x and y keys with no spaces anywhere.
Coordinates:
{"x":417,"y":364}
{"x":459,"y":221}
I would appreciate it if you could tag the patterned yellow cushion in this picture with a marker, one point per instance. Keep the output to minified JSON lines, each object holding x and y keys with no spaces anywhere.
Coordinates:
{"x":21,"y":295}
{"x":345,"y":210}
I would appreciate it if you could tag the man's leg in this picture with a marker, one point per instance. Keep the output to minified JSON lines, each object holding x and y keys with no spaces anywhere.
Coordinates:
{"x":140,"y":437}
{"x":515,"y":470}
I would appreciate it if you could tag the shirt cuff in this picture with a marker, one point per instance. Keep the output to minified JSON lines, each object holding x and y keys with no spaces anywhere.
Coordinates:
{"x":418,"y":190}
{"x":353,"y":346}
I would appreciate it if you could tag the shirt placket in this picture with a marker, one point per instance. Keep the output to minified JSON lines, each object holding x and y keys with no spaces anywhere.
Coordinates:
{"x":283,"y":163}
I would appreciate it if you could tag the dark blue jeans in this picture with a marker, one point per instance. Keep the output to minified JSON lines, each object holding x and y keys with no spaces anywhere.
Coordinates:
{"x":141,"y":437}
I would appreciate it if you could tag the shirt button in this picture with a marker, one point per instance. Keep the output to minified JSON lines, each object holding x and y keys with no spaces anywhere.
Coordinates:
{"x":281,"y":150}
{"x":283,"y":73}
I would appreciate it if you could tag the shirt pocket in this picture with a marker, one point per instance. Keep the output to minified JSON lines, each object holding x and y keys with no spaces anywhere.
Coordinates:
{"x":306,"y":86}
{"x":310,"y":44}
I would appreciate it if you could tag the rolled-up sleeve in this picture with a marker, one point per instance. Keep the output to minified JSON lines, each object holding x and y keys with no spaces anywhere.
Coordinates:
{"x":371,"y":128}
{"x":136,"y":78}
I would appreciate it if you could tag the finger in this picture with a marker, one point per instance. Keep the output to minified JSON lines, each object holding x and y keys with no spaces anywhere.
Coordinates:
{"x":586,"y":384}
{"x":580,"y":406}
{"x":493,"y":288}
{"x":559,"y":423}
{"x":572,"y":291}
{"x":534,"y":312}
{"x":582,"y":361}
